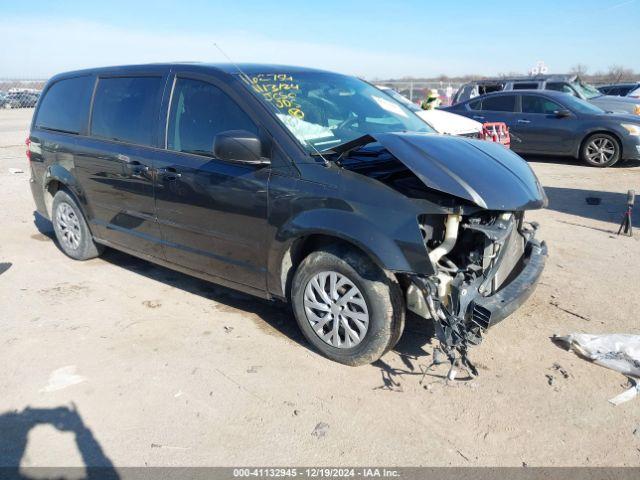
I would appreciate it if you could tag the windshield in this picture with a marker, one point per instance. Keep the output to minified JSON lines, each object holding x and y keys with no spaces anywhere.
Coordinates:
{"x":323,"y":110}
{"x":586,"y":90}
{"x":580,"y":106}
{"x":402,"y":99}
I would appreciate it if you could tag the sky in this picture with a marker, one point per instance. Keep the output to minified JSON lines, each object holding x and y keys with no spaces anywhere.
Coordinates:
{"x":370,"y":39}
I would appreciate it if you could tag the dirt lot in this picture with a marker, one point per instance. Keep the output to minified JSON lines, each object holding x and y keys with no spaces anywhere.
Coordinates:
{"x":139,"y":365}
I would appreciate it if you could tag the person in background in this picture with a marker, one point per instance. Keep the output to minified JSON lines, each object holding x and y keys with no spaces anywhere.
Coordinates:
{"x":432,"y":101}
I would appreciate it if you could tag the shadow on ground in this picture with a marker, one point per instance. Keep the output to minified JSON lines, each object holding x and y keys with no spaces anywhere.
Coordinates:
{"x":574,"y":161}
{"x":277,"y":315}
{"x":413,"y":349}
{"x":610,"y":206}
{"x":14,"y":434}
{"x":44,"y":227}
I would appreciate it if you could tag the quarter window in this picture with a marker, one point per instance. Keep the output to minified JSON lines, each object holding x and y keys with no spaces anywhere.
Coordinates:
{"x":126,"y":109}
{"x":525,"y":86}
{"x":536,"y":104}
{"x":65,"y":105}
{"x":199,"y":111}
{"x":501,"y":103}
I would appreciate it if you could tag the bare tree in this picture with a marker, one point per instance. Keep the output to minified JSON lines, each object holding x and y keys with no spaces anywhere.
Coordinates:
{"x":618,"y":73}
{"x":580,"y":69}
{"x":509,"y":74}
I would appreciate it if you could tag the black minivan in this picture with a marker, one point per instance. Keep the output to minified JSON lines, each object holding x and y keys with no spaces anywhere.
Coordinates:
{"x":294,"y":184}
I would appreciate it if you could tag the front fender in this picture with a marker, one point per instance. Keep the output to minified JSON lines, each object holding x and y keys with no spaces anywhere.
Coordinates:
{"x":396,"y":246}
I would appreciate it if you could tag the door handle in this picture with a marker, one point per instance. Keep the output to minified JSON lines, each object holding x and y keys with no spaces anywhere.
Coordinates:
{"x":168,"y":173}
{"x":133,"y":168}
{"x":478,"y":117}
{"x":523,"y":121}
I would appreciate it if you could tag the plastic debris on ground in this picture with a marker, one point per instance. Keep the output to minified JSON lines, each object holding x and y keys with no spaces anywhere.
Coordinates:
{"x":619,"y":352}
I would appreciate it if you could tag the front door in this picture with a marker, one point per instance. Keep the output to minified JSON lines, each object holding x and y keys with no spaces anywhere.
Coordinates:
{"x":115,"y":164}
{"x":212,"y":213}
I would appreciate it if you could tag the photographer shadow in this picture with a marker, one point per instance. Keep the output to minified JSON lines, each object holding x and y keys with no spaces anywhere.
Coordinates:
{"x":15,"y":428}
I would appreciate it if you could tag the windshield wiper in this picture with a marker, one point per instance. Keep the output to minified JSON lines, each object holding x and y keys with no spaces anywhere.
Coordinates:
{"x":345,"y":147}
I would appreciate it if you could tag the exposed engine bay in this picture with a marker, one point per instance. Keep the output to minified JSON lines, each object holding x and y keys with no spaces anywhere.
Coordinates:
{"x":474,"y":257}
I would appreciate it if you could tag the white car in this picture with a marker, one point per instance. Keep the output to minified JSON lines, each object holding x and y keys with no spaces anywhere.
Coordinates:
{"x":441,"y":121}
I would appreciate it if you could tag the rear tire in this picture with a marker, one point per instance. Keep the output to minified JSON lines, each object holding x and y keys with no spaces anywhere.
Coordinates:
{"x":600,"y":150}
{"x":72,"y":231}
{"x":346,"y":306}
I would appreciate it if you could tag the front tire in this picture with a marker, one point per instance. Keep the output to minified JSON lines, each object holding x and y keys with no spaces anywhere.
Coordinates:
{"x":72,"y":231}
{"x":346,"y":306}
{"x":600,"y":150}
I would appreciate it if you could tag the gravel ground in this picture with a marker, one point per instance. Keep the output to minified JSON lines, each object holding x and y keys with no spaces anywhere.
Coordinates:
{"x":117,"y":361}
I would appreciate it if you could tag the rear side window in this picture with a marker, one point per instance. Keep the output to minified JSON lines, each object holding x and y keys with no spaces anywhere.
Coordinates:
{"x":622,"y":91}
{"x":502,"y":103}
{"x":465,"y":93}
{"x":199,"y":111}
{"x":475,"y":105}
{"x":489,"y":88}
{"x":525,"y":86}
{"x":537,"y":104}
{"x":65,"y":105}
{"x":126,"y":109}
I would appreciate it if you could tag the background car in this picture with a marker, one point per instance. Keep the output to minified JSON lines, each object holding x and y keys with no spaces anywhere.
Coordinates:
{"x":621,"y":89}
{"x":554,"y":123}
{"x":20,"y":100}
{"x":440,"y":120}
{"x":570,"y":84}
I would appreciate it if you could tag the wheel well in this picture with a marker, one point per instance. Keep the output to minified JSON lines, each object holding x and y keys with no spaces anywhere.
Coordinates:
{"x":49,"y":192}
{"x":303,"y":246}
{"x":606,"y":132}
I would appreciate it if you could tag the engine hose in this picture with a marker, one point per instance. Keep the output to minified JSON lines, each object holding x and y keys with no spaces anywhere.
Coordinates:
{"x":450,"y":236}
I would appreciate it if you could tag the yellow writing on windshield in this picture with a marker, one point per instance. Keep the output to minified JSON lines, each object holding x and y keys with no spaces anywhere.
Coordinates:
{"x":279,"y":89}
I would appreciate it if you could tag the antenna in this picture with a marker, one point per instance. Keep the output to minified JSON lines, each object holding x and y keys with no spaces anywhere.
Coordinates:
{"x":244,"y":76}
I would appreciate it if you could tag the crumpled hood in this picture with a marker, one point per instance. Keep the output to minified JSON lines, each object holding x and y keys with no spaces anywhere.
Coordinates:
{"x":485,"y":173}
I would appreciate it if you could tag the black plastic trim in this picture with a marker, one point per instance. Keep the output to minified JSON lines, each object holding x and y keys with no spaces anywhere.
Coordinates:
{"x":507,"y":300}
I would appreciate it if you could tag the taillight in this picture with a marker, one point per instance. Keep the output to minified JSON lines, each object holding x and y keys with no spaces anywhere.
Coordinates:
{"x":27,"y":142}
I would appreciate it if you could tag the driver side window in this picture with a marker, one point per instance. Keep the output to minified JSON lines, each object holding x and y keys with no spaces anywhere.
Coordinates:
{"x":538,"y":104}
{"x":199,"y":111}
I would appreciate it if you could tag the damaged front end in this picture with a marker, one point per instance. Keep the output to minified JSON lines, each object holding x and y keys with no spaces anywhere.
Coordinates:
{"x":485,"y":259}
{"x":486,"y":266}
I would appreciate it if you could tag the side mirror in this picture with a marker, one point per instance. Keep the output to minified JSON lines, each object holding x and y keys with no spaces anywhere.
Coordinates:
{"x":239,"y":146}
{"x":562,"y":113}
